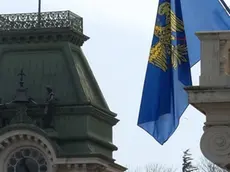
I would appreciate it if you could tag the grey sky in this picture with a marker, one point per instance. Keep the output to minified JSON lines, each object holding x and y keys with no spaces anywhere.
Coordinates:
{"x":121,"y":33}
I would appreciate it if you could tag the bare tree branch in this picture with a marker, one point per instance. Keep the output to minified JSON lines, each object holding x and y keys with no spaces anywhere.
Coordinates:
{"x":154,"y":168}
{"x":207,"y":166}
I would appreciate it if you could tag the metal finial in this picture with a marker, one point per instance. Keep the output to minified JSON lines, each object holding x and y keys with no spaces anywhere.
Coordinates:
{"x":21,"y":74}
{"x":39,"y":13}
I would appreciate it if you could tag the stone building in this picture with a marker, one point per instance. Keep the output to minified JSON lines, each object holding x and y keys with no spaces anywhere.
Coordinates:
{"x":53,"y":116}
{"x":212,"y":96}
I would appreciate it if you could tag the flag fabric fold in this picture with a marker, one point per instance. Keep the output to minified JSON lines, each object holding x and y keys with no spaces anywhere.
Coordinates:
{"x":202,"y":15}
{"x":174,"y":50}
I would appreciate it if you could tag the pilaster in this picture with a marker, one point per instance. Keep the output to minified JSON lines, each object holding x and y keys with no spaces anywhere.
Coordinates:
{"x":212,"y":96}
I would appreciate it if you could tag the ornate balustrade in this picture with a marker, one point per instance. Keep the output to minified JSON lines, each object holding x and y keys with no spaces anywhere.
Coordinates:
{"x":57,"y":19}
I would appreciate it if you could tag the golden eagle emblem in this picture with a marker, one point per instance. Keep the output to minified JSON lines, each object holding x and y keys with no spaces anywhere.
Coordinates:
{"x":164,"y":34}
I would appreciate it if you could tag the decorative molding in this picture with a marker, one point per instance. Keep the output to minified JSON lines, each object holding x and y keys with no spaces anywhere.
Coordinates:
{"x":13,"y":141}
{"x":24,"y":154}
{"x":42,"y":35}
{"x":85,"y":167}
{"x":18,"y":138}
{"x":87,"y":164}
{"x":223,"y":55}
{"x":215,"y":145}
{"x":11,"y":137}
{"x":202,"y":94}
{"x":213,"y":35}
{"x":54,"y":26}
{"x":54,"y":19}
{"x":76,"y":109}
{"x":95,"y":168}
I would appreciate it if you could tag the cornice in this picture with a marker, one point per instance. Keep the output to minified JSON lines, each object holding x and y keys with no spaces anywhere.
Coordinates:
{"x":42,"y":35}
{"x":77,"y":109}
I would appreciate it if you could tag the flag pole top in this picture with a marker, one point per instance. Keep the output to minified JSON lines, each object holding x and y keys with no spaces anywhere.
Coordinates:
{"x":39,"y":13}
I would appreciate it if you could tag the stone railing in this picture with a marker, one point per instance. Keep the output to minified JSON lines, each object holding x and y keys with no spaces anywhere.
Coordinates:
{"x":57,"y":19}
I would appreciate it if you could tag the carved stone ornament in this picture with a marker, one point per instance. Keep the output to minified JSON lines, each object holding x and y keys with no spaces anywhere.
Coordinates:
{"x":25,"y":150}
{"x":54,"y":26}
{"x":86,"y":167}
{"x":25,"y":159}
{"x":54,"y":19}
{"x":215,"y":145}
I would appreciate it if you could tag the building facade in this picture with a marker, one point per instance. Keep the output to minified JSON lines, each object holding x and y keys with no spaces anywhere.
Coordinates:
{"x":212,"y":96}
{"x":53,"y":116}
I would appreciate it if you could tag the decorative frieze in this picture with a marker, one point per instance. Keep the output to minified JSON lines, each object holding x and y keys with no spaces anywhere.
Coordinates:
{"x":54,"y":19}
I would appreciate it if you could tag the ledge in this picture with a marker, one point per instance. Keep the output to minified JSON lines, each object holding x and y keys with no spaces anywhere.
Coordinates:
{"x":207,"y":99}
{"x":42,"y":35}
{"x":206,"y":88}
{"x":52,"y":26}
{"x":208,"y":94}
{"x":216,"y":35}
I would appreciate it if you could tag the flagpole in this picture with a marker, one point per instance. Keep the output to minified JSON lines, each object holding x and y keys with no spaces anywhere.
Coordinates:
{"x":39,"y":13}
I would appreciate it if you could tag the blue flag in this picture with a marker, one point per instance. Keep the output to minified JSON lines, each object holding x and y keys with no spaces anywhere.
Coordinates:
{"x":202,"y":15}
{"x":175,"y":48}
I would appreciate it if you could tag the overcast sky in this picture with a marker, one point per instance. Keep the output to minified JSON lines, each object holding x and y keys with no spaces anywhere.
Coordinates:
{"x":121,"y":33}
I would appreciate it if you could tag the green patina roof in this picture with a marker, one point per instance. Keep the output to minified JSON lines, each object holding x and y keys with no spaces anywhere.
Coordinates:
{"x":51,"y":54}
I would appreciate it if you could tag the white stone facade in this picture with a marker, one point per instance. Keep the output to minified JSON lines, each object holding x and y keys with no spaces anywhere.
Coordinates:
{"x":212,"y":96}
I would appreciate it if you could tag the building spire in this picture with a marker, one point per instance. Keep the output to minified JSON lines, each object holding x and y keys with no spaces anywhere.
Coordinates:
{"x":39,"y":13}
{"x":21,"y":74}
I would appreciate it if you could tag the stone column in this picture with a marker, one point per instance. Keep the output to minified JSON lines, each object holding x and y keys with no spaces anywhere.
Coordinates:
{"x":212,"y":96}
